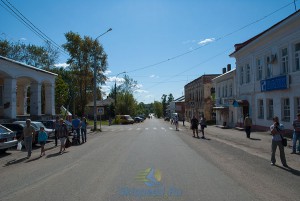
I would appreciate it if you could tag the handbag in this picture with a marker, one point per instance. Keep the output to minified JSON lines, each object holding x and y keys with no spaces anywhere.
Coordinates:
{"x":68,"y":143}
{"x":19,"y":147}
{"x":283,"y":140}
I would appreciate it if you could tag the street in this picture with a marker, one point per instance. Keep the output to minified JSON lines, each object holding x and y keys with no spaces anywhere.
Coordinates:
{"x":152,"y":161}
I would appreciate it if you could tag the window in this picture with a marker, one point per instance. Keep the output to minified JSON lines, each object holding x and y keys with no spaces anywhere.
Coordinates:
{"x":260,"y":109}
{"x":297,"y":56}
{"x":269,"y":68}
{"x":270,"y":110}
{"x":297,"y":105}
{"x":226,"y":90}
{"x":1,"y":96}
{"x":284,"y":61}
{"x":242,"y":76}
{"x":219,"y":92}
{"x":259,"y":69}
{"x":230,"y":89}
{"x":247,"y":73}
{"x":286,"y":110}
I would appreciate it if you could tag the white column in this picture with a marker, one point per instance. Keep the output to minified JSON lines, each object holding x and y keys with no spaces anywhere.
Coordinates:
{"x":50,"y":99}
{"x":35,"y":99}
{"x":9,"y":98}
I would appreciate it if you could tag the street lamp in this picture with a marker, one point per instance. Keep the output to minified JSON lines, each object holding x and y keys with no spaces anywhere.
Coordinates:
{"x":95,"y":83}
{"x":116,"y":93}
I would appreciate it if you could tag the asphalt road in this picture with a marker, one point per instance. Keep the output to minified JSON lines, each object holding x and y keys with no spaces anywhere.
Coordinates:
{"x":146,"y":161}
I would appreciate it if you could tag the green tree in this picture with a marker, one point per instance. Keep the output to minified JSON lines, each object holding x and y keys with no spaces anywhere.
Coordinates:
{"x":86,"y":55}
{"x":164,"y":104}
{"x":38,"y":56}
{"x":170,"y":98}
{"x":158,"y":109}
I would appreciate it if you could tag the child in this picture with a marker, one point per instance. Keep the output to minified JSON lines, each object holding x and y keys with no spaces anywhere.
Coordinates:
{"x":42,"y":138}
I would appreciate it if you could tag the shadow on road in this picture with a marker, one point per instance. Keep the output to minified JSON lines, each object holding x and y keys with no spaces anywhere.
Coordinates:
{"x":33,"y":159}
{"x":251,"y":138}
{"x":289,"y":169}
{"x":15,"y":161}
{"x":53,"y":155}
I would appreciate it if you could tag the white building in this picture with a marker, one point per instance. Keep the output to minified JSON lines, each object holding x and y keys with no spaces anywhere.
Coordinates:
{"x":15,"y":80}
{"x":268,"y":73}
{"x":225,"y":95}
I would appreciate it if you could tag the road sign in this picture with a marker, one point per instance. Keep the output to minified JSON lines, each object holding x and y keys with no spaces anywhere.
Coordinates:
{"x":100,"y":110}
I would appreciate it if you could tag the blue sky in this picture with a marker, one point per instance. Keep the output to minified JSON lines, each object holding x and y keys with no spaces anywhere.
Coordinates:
{"x":148,"y":36}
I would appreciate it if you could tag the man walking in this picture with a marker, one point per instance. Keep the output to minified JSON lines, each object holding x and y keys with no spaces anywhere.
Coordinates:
{"x":248,"y":124}
{"x":29,"y":137}
{"x":296,"y":134}
{"x":194,"y":126}
{"x":76,"y":127}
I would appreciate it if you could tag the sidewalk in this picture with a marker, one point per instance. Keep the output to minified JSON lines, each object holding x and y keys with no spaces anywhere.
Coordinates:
{"x":259,"y":143}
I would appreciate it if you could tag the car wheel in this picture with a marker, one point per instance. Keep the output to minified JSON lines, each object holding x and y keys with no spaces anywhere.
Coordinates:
{"x":3,"y":151}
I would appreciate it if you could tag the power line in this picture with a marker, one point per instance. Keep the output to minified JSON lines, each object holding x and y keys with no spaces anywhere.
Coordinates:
{"x":220,"y":38}
{"x":17,"y":14}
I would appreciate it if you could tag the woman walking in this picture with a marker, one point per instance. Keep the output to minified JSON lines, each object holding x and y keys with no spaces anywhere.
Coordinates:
{"x":276,"y":130}
{"x":83,"y":129}
{"x":203,"y":125}
{"x":42,"y":139}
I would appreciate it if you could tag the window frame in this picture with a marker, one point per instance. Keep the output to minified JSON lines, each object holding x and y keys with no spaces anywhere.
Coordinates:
{"x":260,"y":112}
{"x":286,"y":109}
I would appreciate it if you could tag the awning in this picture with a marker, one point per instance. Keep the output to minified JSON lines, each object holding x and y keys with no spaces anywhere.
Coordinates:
{"x":240,"y":103}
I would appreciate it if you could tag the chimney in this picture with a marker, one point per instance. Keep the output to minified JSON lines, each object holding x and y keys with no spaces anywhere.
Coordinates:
{"x":224,"y":70}
{"x":228,"y":67}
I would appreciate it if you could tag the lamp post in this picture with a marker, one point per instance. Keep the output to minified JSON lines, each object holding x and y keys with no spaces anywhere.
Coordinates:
{"x":95,"y":83}
{"x":116,"y":93}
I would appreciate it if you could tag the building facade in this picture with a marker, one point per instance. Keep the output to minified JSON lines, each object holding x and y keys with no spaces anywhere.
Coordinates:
{"x":198,"y":99}
{"x":21,"y":89}
{"x":268,"y":73}
{"x":225,"y":96}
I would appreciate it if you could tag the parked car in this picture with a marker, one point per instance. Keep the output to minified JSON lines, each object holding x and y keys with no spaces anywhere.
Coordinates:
{"x":37,"y":125}
{"x":17,"y":128}
{"x":7,"y":139}
{"x":50,"y":124}
{"x":138,"y":119}
{"x":125,"y":119}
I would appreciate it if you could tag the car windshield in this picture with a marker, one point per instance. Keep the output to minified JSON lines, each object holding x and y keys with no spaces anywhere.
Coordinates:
{"x":38,"y":125}
{"x":3,"y":130}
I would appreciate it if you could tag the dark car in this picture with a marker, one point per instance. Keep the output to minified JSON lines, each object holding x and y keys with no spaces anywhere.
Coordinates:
{"x":17,"y":128}
{"x":138,"y":119}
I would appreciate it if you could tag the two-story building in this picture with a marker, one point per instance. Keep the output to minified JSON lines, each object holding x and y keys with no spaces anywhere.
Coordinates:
{"x":198,"y":100}
{"x":268,"y":73}
{"x":225,"y":96}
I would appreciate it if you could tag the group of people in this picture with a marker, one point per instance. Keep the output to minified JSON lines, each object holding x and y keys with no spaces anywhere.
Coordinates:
{"x":61,"y":134}
{"x":194,"y":126}
{"x":277,"y":131}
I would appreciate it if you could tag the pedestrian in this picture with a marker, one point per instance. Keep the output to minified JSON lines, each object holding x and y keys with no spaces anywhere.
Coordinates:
{"x":203,"y":125}
{"x":276,"y":131}
{"x":62,"y":135}
{"x":42,"y":139}
{"x":194,"y":126}
{"x":109,"y":120}
{"x":183,"y":119}
{"x":55,"y":127}
{"x":76,"y":127}
{"x":176,"y":122}
{"x":248,"y":124}
{"x":29,"y":137}
{"x":296,"y":134}
{"x":83,"y":129}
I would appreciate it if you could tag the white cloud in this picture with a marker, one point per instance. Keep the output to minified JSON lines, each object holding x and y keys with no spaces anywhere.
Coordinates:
{"x":206,"y":41}
{"x":140,"y":91}
{"x":107,"y":72}
{"x":154,"y":76}
{"x":64,"y":65}
{"x":23,"y":39}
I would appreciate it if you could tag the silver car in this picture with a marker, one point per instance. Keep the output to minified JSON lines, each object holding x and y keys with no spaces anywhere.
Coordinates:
{"x":37,"y":125}
{"x":7,"y":139}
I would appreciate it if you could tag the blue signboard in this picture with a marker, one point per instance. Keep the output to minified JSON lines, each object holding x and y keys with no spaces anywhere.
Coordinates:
{"x":276,"y":83}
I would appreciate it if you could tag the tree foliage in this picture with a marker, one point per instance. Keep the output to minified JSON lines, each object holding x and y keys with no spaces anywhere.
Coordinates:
{"x":38,"y":56}
{"x":158,"y":109}
{"x":86,"y":55}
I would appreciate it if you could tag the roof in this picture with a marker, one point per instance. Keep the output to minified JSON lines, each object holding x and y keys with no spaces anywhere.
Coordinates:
{"x":27,"y":66}
{"x":239,"y":46}
{"x":179,"y":99}
{"x":101,"y":103}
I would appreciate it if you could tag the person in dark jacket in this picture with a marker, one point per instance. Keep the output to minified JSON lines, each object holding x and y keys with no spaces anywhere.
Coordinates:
{"x":194,"y":126}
